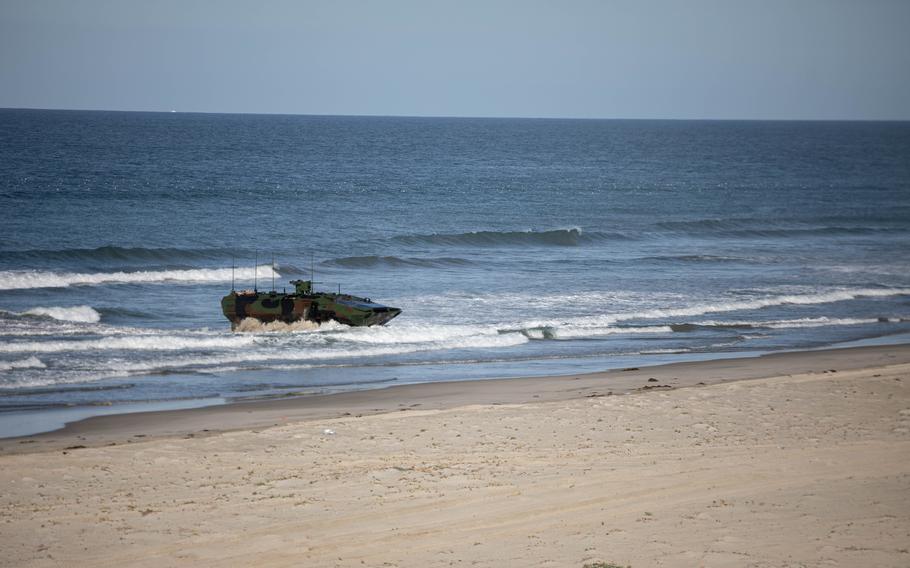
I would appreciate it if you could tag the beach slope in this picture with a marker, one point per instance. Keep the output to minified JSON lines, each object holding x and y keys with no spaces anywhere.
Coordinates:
{"x":807,"y":468}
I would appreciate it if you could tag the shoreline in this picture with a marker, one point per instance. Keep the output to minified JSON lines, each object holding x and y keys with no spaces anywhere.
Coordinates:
{"x":788,"y":459}
{"x":207,"y":420}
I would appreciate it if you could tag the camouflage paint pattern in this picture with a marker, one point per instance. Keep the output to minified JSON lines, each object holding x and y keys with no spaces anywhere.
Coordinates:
{"x":304,"y":304}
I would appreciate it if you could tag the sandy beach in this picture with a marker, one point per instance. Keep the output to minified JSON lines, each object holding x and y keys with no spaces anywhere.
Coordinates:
{"x":793,"y":459}
{"x":454,"y":284}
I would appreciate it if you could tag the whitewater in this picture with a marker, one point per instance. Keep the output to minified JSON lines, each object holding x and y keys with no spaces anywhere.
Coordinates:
{"x":515,"y":248}
{"x":25,"y":279}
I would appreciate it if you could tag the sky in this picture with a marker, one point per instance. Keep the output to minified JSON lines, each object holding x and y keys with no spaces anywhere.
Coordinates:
{"x":683,"y":59}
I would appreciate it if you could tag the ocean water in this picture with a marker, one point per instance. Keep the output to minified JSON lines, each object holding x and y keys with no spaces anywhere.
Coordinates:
{"x":515,"y":247}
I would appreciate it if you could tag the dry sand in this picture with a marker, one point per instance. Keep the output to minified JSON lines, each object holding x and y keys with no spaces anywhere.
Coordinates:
{"x":805,"y":467}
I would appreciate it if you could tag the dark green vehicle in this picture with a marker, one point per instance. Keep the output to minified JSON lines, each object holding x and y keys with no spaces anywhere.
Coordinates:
{"x":304,"y":304}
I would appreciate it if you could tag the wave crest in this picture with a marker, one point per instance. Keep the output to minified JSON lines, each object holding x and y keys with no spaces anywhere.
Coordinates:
{"x":396,"y":262}
{"x":119,"y":254}
{"x":759,"y":303}
{"x":754,"y":228}
{"x":27,"y":363}
{"x":780,"y":324}
{"x":27,"y":279}
{"x":82,"y":314}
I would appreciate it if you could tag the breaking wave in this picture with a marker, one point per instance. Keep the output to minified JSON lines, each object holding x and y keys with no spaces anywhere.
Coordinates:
{"x":605,"y":324}
{"x":758,"y":303}
{"x":570,"y":332}
{"x":780,"y":324}
{"x":97,"y":352}
{"x":82,"y":314}
{"x":28,"y":363}
{"x":120,"y":254}
{"x":27,"y":279}
{"x":318,"y":354}
{"x":131,"y":343}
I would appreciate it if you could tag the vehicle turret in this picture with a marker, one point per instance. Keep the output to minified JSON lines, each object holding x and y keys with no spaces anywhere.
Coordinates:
{"x":303,"y":287}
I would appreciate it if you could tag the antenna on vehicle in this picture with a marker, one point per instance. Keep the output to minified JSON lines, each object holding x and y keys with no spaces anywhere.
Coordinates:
{"x":273,"y":272}
{"x":255,"y":275}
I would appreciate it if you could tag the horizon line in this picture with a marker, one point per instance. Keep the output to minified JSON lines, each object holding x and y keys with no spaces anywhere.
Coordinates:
{"x":467,"y":117}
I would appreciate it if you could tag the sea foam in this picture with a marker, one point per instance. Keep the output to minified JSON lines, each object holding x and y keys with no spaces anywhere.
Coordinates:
{"x":84,"y":314}
{"x":140,"y":343}
{"x":26,"y":279}
{"x":259,"y":356}
{"x":27,"y":363}
{"x":792,"y":323}
{"x":826,"y":297}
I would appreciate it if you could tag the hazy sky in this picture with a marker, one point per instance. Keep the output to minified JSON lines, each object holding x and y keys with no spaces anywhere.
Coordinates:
{"x":812,"y":59}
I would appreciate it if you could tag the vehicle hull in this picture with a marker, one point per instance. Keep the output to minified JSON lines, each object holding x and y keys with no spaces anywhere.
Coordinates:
{"x":304,"y":305}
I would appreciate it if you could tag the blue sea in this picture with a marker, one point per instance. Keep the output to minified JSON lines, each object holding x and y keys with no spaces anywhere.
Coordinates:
{"x":515,"y":247}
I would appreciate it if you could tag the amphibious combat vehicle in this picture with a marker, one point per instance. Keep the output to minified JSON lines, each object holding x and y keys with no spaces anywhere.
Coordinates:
{"x":304,"y":304}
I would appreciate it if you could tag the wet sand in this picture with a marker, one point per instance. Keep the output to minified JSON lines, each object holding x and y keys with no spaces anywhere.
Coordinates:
{"x":792,"y":459}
